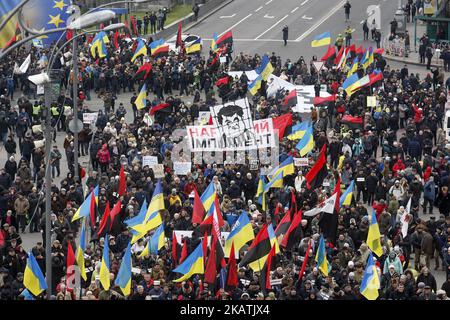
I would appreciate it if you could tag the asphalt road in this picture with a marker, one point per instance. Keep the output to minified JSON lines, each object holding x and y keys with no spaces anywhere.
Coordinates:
{"x":257,"y":25}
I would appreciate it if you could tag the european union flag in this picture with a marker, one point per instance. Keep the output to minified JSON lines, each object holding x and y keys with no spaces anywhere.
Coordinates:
{"x":44,"y":15}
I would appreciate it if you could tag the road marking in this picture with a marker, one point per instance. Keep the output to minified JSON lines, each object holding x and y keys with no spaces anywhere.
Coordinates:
{"x":258,"y":9}
{"x":318,"y":23}
{"x":276,"y":23}
{"x":268,"y":17}
{"x":269,"y":1}
{"x":225,"y":17}
{"x":234,"y":25}
{"x":255,"y":40}
{"x":307,"y":18}
{"x":295,"y":9}
{"x":303,"y":3}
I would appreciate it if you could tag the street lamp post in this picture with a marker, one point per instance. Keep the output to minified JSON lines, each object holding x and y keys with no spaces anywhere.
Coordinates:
{"x":75,"y":106}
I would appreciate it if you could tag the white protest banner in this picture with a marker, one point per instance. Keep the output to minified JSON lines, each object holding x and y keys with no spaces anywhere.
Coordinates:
{"x":90,"y":117}
{"x":158,"y":170}
{"x":207,"y":138}
{"x":149,"y":161}
{"x":182,"y":168}
{"x":301,"y":162}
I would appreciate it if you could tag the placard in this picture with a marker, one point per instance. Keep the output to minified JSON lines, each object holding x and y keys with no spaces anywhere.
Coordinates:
{"x":203,"y":117}
{"x":301,"y":162}
{"x":149,"y":161}
{"x":371,"y":101}
{"x":40,"y":89}
{"x":182,"y":168}
{"x":360,"y":179}
{"x":223,"y":59}
{"x":90,"y":117}
{"x":158,"y":170}
{"x":254,"y":165}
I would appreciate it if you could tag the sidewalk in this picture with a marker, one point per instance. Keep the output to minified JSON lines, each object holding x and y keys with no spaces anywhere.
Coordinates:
{"x":413,"y":56}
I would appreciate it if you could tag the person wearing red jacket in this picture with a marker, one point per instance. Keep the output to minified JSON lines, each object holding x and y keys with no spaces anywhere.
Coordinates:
{"x":379,"y":207}
{"x":189,"y":187}
{"x":418,"y":116}
{"x":398,"y":166}
{"x":103,"y":157}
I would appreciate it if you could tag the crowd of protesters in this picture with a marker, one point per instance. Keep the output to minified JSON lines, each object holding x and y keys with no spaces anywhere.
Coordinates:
{"x":401,"y":151}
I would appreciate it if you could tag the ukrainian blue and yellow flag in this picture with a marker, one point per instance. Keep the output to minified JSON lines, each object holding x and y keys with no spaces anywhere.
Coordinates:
{"x":85,"y":208}
{"x":286,"y":168}
{"x":80,"y":251}
{"x":155,"y":243}
{"x":321,"y":40}
{"x":152,"y":217}
{"x":241,"y":233}
{"x":347,"y":196}
{"x":373,"y":236}
{"x":307,"y":143}
{"x":255,"y":85}
{"x":123,"y":279}
{"x":299,"y":130}
{"x":265,"y":69}
{"x":208,"y":197}
{"x":321,"y":257}
{"x":367,"y":59}
{"x":194,"y":47}
{"x":33,"y":279}
{"x":193,"y":264}
{"x":27,"y":295}
{"x":98,"y":47}
{"x":370,"y":283}
{"x":260,"y":193}
{"x":350,"y":82}
{"x":9,"y":30}
{"x":354,"y":67}
{"x":140,"y":217}
{"x":141,"y":50}
{"x":276,"y":182}
{"x":141,"y":99}
{"x":104,"y":267}
{"x":214,"y":47}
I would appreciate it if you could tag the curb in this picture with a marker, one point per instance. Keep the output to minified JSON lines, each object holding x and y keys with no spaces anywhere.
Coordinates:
{"x":390,"y":58}
{"x":210,"y":13}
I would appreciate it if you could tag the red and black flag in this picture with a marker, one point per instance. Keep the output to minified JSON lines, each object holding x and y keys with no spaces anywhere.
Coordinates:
{"x":133,"y":24}
{"x":122,"y":182}
{"x":184,"y":251}
{"x":283,"y":226}
{"x":258,"y":250}
{"x":159,"y":107}
{"x":232,"y":275}
{"x":281,"y":124}
{"x":16,"y":37}
{"x":179,"y":41}
{"x":211,"y":265}
{"x":226,"y":38}
{"x":116,"y":39}
{"x":176,"y":249}
{"x":305,"y":261}
{"x":321,"y":100}
{"x":294,"y":233}
{"x":291,"y":99}
{"x":104,"y":223}
{"x":352,"y":122}
{"x":143,"y":71}
{"x":331,"y":53}
{"x":315,"y":176}
{"x":198,"y":211}
{"x":222,"y":81}
{"x":265,"y":272}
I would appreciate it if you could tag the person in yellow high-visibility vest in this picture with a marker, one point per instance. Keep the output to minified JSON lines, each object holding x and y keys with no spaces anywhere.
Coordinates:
{"x":54,"y":110}
{"x":36,"y":112}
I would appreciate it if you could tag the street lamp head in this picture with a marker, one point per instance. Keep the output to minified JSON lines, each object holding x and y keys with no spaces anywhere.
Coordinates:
{"x":140,"y":1}
{"x":39,"y":79}
{"x":114,"y":26}
{"x":91,"y":19}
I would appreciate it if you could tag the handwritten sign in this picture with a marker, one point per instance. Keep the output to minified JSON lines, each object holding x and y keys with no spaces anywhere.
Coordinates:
{"x":149,"y":161}
{"x":371,"y":101}
{"x":90,"y":117}
{"x":182,"y":168}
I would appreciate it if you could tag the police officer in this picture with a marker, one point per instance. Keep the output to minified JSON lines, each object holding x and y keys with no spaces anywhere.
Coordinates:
{"x":55,"y":116}
{"x":36,"y":112}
